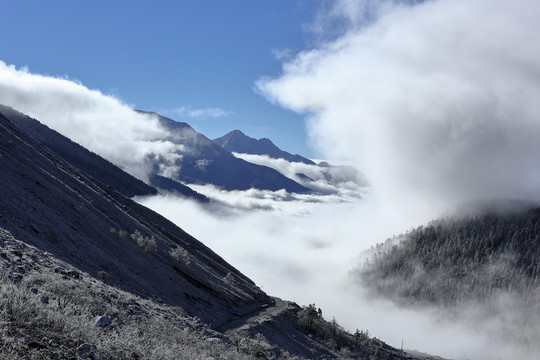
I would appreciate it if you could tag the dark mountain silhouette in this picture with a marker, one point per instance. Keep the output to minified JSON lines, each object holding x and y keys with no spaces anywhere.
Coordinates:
{"x":204,"y":162}
{"x":237,"y":141}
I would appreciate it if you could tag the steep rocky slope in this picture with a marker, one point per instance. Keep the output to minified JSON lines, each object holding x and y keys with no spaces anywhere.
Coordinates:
{"x":57,"y":208}
{"x":94,"y":165}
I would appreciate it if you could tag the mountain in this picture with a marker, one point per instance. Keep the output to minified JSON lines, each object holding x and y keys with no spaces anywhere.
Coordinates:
{"x":59,"y":209}
{"x":87,"y":273}
{"x":204,"y":162}
{"x":76,"y":155}
{"x":237,"y":141}
{"x":322,"y":178}
{"x":164,"y":184}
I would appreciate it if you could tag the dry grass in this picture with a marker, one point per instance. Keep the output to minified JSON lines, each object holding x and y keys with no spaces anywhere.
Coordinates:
{"x":47,"y":316}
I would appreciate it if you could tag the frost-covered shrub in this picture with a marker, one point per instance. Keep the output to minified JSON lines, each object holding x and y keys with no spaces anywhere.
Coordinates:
{"x":148,"y":244}
{"x":180,"y":255}
{"x":118,"y":234}
{"x":104,"y":276}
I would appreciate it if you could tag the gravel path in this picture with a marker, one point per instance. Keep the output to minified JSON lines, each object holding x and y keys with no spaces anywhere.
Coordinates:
{"x":253,"y":316}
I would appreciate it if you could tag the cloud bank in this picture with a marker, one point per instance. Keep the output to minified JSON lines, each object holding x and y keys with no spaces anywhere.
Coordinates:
{"x":98,"y":122}
{"x":303,"y":251}
{"x":436,"y":98}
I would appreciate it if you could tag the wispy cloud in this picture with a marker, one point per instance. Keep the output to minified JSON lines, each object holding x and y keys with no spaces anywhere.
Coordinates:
{"x":283,"y":54}
{"x":188,"y":112}
{"x":343,"y":181}
{"x":100,"y":122}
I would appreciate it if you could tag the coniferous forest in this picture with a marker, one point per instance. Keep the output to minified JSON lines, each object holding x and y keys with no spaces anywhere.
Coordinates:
{"x":481,"y":264}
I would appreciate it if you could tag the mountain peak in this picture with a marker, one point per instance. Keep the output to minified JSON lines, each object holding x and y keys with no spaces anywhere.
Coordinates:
{"x":236,"y":133}
{"x":237,"y":141}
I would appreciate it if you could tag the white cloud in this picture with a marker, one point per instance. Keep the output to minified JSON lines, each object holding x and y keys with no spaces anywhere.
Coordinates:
{"x":435,"y":98}
{"x":437,"y":103}
{"x":99,"y":122}
{"x":303,"y":251}
{"x":188,"y":112}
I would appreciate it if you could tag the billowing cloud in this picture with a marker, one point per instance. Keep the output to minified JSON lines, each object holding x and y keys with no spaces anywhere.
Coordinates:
{"x":437,"y":103}
{"x":188,"y":112}
{"x":99,"y":122}
{"x":437,"y":99}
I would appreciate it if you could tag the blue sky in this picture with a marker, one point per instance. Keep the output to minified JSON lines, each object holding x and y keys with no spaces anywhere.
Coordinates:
{"x":169,"y":55}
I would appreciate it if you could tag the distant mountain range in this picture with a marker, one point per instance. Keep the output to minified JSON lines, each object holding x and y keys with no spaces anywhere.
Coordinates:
{"x":204,"y":162}
{"x":315,"y":176}
{"x":237,"y":141}
{"x":199,"y":161}
{"x":321,"y":178}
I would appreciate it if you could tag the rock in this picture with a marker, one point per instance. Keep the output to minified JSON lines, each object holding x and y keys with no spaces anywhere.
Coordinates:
{"x":74,"y":274}
{"x":15,"y":278}
{"x":132,"y":302}
{"x":35,"y":345}
{"x":103,"y":321}
{"x":85,"y":350}
{"x":214,"y":340}
{"x":134,"y":354}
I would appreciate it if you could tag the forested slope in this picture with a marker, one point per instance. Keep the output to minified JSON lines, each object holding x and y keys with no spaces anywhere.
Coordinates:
{"x":480,"y":269}
{"x":459,"y":258}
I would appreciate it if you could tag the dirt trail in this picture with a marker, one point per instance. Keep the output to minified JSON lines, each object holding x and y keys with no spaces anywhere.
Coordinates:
{"x":253,"y":316}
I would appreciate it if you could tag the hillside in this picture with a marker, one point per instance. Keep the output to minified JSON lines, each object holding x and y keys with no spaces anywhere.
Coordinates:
{"x":237,"y":141}
{"x":59,"y":209}
{"x":458,"y":259}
